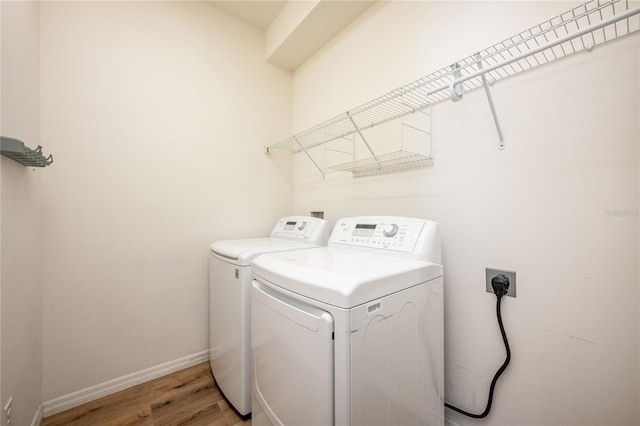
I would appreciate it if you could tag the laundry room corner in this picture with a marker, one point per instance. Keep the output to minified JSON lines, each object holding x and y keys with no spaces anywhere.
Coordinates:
{"x":416,"y":158}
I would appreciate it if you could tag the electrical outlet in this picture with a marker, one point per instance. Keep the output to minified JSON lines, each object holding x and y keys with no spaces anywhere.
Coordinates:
{"x":7,"y":411}
{"x":490,"y":273}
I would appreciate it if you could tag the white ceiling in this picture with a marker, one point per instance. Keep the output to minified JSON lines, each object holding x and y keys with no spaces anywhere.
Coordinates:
{"x":257,"y":13}
{"x":296,"y":29}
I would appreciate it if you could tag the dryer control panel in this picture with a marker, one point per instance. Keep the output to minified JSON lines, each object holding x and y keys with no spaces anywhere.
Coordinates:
{"x":417,"y":237}
{"x":311,"y":229}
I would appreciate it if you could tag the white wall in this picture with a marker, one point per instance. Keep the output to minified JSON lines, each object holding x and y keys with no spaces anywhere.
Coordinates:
{"x":156,"y":114}
{"x":21,"y":308}
{"x":559,"y":205}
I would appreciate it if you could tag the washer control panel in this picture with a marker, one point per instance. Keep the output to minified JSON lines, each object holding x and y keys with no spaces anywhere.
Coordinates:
{"x":301,"y":228}
{"x":388,"y":233}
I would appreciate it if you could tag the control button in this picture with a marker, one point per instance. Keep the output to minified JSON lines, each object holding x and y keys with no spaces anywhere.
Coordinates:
{"x":390,"y":230}
{"x":302,"y":225}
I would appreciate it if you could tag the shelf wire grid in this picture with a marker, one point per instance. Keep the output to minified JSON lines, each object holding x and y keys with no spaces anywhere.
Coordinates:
{"x":594,"y":23}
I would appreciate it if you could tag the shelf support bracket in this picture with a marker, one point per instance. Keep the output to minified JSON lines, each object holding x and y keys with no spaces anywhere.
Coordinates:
{"x":355,"y":126}
{"x":456,"y":90}
{"x":309,"y":156}
{"x":485,"y":84}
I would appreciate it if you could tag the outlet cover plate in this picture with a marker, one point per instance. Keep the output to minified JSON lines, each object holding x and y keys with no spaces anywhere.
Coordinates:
{"x":490,"y":273}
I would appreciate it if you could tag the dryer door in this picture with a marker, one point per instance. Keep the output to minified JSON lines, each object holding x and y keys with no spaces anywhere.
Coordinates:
{"x":292,"y":350}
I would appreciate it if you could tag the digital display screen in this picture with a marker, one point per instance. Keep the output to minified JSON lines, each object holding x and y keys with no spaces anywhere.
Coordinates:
{"x":364,"y":230}
{"x":291,"y":223}
{"x":360,"y":226}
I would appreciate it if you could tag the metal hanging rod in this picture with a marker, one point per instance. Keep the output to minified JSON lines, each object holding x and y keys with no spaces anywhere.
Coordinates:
{"x":580,"y":29}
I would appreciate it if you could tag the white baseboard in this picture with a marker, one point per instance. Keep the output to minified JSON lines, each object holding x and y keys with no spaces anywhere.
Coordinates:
{"x":37,"y":418}
{"x":92,"y":393}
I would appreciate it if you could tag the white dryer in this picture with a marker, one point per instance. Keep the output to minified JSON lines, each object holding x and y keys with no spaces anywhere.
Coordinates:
{"x":229,"y":298}
{"x":351,"y":333}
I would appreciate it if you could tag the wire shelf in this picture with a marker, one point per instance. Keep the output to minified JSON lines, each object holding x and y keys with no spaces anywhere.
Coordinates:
{"x":581,"y":28}
{"x":384,"y":163}
{"x":17,"y":151}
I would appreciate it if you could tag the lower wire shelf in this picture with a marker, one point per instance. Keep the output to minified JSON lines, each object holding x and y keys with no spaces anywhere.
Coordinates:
{"x":384,"y":163}
{"x":17,"y":151}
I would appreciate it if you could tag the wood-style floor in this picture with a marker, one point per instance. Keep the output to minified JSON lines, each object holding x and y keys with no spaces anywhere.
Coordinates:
{"x":187,"y":397}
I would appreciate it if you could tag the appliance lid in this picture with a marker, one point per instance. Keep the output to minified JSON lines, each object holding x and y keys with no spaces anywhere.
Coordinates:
{"x":342,"y":277}
{"x":243,"y":251}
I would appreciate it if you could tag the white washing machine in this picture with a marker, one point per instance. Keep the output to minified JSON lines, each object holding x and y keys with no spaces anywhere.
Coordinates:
{"x":351,"y":333}
{"x":229,"y":298}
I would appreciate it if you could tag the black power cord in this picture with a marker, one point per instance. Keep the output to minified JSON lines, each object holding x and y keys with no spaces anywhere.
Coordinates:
{"x":500,"y":284}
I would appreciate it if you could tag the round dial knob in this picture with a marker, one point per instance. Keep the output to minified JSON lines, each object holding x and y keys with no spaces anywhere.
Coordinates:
{"x":390,"y":230}
{"x":302,"y":226}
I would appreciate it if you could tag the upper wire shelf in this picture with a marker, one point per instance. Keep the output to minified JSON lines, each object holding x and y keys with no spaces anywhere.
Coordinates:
{"x":581,"y":28}
{"x":17,"y":151}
